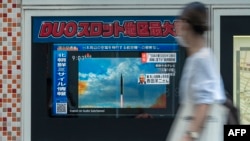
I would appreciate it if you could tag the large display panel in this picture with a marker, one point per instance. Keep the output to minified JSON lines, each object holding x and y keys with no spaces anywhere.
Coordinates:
{"x":234,"y":58}
{"x":241,"y":51}
{"x":109,"y":66}
{"x":115,"y":80}
{"x":86,"y":72}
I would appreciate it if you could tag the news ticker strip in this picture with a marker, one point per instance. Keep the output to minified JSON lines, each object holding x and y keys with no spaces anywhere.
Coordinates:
{"x":241,"y":132}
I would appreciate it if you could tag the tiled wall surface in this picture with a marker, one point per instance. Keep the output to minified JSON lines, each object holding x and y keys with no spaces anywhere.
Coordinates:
{"x":10,"y":70}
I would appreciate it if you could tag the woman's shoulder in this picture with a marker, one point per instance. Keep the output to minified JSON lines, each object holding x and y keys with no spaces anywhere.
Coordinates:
{"x":204,"y":52}
{"x":205,"y":56}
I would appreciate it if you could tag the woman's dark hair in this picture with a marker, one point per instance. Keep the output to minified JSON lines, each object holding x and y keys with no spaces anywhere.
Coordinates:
{"x":195,"y":14}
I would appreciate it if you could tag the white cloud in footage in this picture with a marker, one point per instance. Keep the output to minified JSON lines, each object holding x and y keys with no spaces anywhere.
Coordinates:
{"x":103,"y":83}
{"x":109,"y":80}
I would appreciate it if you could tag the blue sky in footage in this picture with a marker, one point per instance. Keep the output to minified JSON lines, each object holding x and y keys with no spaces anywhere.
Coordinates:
{"x":102,"y":76}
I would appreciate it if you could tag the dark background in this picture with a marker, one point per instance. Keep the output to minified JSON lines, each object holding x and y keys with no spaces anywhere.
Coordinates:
{"x":230,"y":26}
{"x":44,"y":127}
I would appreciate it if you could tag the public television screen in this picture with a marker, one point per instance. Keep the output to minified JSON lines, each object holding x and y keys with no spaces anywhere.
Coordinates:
{"x":114,"y":80}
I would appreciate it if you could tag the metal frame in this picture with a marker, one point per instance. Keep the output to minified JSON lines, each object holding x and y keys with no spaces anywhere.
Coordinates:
{"x":28,"y":12}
